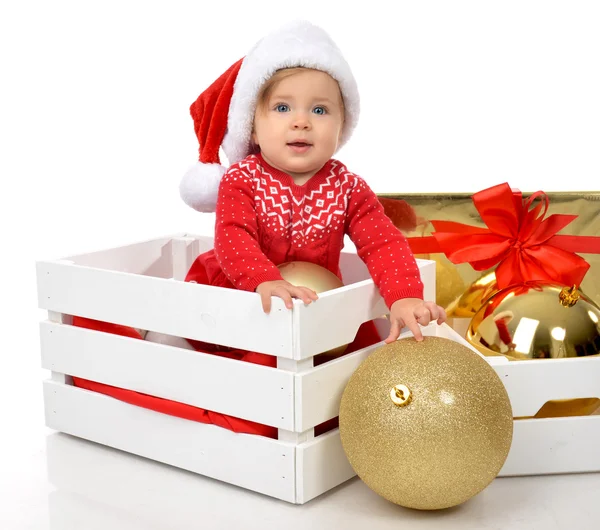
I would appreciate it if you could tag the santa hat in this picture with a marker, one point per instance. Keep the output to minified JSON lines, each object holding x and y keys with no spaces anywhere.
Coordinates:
{"x":224,"y":113}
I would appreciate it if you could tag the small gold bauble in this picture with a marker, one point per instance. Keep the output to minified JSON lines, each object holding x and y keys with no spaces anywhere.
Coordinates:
{"x":426,"y":425}
{"x":473,"y":297}
{"x":317,"y":278}
{"x":537,"y":321}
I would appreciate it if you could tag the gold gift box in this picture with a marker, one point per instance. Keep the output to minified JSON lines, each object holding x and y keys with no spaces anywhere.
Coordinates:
{"x":459,"y":207}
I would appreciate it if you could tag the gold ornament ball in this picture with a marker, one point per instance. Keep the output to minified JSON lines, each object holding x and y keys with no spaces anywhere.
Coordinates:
{"x":563,"y":408}
{"x":317,"y":278}
{"x":474,"y":296}
{"x":306,"y":274}
{"x":537,"y":321}
{"x":426,"y":425}
{"x":448,"y":281}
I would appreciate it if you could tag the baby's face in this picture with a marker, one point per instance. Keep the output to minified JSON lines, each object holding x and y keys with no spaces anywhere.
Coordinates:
{"x":299,"y":128}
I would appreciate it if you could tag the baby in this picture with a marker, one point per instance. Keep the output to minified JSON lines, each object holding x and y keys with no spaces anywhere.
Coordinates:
{"x":281,"y":113}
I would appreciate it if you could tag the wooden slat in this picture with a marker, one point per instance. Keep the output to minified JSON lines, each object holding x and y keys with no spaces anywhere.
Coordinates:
{"x":151,"y":258}
{"x":428,"y":277}
{"x":185,"y":251}
{"x":353,"y":269}
{"x":60,"y":318}
{"x":213,"y":314}
{"x":293,"y":368}
{"x":531,"y":383}
{"x":319,"y":391}
{"x":243,"y":390}
{"x":321,"y":465}
{"x":254,"y":462}
{"x":334,"y":319}
{"x":554,"y":445}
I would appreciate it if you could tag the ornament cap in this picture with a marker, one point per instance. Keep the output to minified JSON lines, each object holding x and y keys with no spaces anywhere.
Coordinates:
{"x":568,"y":296}
{"x":401,"y":395}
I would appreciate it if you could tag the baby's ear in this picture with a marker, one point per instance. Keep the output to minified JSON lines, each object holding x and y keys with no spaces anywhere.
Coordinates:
{"x":253,"y":139}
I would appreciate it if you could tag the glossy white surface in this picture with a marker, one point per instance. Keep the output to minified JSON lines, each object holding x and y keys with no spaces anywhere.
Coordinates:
{"x":53,"y":481}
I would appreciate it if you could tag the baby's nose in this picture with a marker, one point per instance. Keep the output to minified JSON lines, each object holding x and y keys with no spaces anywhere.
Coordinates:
{"x":301,"y":121}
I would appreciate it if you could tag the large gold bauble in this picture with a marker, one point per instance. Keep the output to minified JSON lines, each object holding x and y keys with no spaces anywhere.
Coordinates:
{"x":317,"y":278}
{"x":426,"y":425}
{"x":537,"y":321}
{"x":473,"y":297}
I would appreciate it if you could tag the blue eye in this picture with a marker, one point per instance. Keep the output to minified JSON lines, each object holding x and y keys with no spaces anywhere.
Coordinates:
{"x":320,"y":110}
{"x":282,"y":107}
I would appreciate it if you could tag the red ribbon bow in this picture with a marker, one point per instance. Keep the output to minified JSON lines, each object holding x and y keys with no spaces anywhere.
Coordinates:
{"x":518,"y":238}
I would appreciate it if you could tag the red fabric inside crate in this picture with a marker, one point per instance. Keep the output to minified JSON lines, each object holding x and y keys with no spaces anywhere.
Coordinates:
{"x":366,"y":336}
{"x":166,"y":406}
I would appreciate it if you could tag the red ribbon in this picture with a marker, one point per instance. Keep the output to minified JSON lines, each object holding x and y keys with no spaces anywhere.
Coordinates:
{"x":523,"y":243}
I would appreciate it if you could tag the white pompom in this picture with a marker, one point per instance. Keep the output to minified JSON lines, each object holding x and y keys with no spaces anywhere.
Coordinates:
{"x":199,"y":186}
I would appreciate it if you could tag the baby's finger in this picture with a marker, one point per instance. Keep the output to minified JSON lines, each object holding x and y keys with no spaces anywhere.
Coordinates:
{"x":305,"y":294}
{"x":285,"y":295}
{"x":434,"y":310}
{"x":313,"y":294}
{"x":442,"y":318}
{"x":265,"y":298}
{"x":423,"y":316}
{"x":394,"y":332}
{"x":437,"y":312}
{"x":413,"y":325}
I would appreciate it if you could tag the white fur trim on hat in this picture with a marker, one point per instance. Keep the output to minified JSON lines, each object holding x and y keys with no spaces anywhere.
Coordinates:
{"x":199,"y":186}
{"x":296,"y":44}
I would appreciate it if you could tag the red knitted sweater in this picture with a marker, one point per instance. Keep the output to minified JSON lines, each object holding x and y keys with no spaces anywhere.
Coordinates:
{"x":264,"y":219}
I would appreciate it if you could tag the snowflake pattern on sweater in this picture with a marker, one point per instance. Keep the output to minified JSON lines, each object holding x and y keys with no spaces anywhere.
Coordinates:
{"x":264,"y":218}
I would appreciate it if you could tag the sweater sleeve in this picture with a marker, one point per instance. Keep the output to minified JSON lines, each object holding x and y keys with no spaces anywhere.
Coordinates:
{"x":382,"y":246}
{"x":237,"y":247}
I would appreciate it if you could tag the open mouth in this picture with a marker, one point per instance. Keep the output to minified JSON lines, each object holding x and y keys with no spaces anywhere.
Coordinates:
{"x":299,"y":147}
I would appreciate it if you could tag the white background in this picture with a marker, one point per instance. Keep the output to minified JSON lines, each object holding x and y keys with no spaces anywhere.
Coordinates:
{"x":95,"y":131}
{"x":456,"y":96}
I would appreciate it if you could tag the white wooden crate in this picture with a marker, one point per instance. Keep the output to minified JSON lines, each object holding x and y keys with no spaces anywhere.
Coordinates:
{"x":141,"y":286}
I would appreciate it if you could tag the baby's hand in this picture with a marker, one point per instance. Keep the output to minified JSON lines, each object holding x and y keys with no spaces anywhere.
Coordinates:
{"x":284,"y":290}
{"x":411,"y":312}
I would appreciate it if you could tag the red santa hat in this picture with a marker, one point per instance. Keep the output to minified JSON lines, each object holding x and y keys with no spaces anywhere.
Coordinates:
{"x":224,"y":113}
